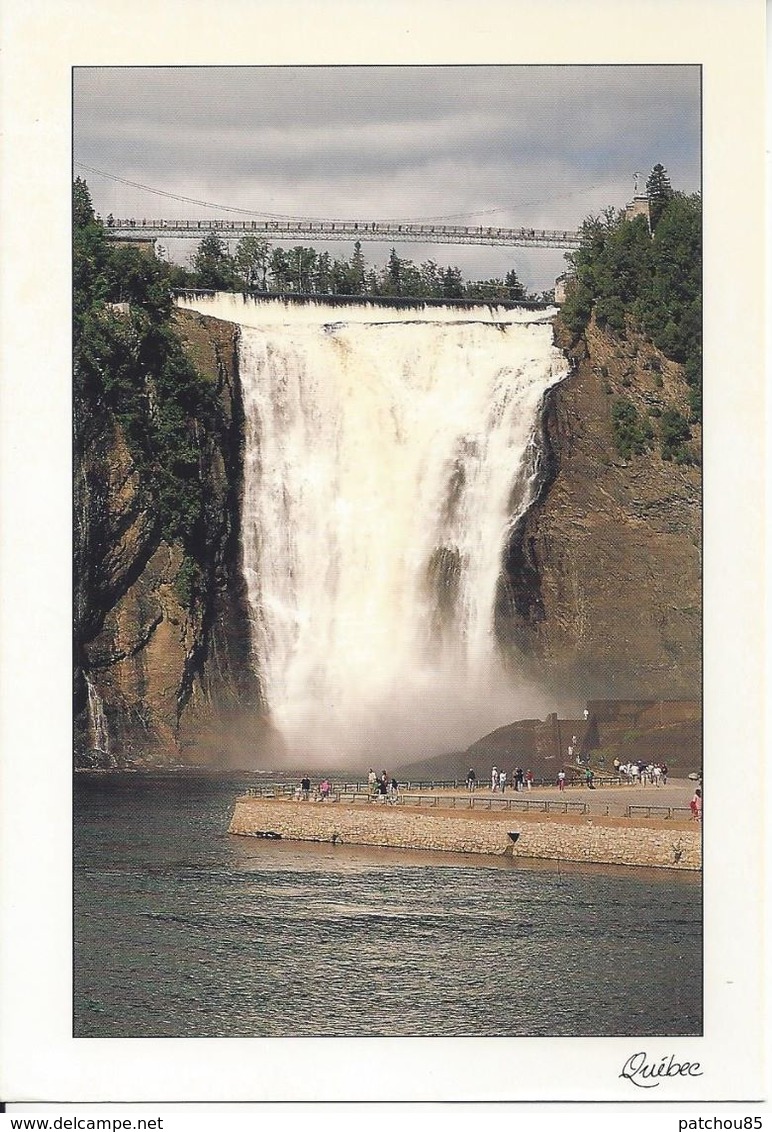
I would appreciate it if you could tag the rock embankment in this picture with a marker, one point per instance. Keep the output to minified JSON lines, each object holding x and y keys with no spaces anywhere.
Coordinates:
{"x":672,"y":845}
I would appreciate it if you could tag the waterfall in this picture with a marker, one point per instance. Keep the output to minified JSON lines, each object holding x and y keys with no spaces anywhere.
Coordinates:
{"x":100,"y":739}
{"x":388,"y":454}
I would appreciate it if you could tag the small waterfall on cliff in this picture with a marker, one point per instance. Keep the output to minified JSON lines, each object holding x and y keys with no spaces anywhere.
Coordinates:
{"x":100,"y":738}
{"x":389,"y":452}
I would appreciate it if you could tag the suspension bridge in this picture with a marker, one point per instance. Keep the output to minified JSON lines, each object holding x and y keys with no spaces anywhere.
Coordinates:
{"x":380,"y":231}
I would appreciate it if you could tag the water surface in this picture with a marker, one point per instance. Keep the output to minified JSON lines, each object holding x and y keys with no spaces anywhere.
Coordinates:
{"x":184,"y":931}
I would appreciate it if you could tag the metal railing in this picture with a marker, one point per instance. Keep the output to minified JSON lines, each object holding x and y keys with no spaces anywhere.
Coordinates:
{"x":132,"y":228}
{"x":483,"y":790}
{"x":665,"y":812}
{"x":477,"y":801}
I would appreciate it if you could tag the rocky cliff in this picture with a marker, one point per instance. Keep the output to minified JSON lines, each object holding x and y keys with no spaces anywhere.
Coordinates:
{"x":604,"y":578}
{"x":155,"y":657}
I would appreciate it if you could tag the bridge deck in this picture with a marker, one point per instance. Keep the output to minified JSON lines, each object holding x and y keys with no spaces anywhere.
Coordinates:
{"x":343,"y":230}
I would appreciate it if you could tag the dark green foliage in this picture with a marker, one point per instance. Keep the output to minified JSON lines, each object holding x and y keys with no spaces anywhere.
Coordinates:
{"x":674,"y":432}
{"x":633,"y":433}
{"x":189,"y":581}
{"x":213,"y":267}
{"x":659,"y":191}
{"x":251,"y":262}
{"x":303,"y":270}
{"x":653,"y":283}
{"x":132,"y":364}
{"x":695,"y":403}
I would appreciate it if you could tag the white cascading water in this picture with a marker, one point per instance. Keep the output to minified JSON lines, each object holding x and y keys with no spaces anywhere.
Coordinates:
{"x":100,"y":738}
{"x":389,"y":452}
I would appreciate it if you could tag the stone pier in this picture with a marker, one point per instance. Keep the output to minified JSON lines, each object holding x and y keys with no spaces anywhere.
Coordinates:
{"x":613,"y":841}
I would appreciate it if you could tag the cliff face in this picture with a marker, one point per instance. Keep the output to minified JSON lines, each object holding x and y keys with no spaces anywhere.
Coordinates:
{"x":604,"y":585}
{"x":153,"y":658}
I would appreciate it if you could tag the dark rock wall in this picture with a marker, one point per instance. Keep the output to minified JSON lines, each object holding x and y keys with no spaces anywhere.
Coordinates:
{"x":154,"y":660}
{"x":604,"y":578}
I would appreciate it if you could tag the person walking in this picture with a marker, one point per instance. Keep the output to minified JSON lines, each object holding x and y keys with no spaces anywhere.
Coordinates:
{"x":696,"y":805}
{"x":561,"y":780}
{"x":529,"y":779}
{"x":494,"y":780}
{"x":471,"y":780}
{"x":520,"y":778}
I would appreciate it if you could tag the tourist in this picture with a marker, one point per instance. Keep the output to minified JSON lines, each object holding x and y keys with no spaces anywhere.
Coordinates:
{"x":519,"y":778}
{"x":394,"y":788}
{"x":471,"y":780}
{"x":502,"y":781}
{"x":371,"y":780}
{"x":529,"y":779}
{"x":561,"y":780}
{"x":664,"y":774}
{"x":305,"y":787}
{"x":586,"y":715}
{"x":494,"y":780}
{"x":324,"y":790}
{"x":589,"y":779}
{"x":570,"y":752}
{"x":657,"y":774}
{"x":383,"y":784}
{"x":696,"y":805}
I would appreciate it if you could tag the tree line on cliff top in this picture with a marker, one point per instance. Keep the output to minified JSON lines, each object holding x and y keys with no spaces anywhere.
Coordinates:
{"x":258,"y":267}
{"x":628,"y":274}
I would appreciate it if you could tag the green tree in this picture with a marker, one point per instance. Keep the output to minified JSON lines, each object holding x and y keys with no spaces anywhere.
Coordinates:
{"x":251,"y":261}
{"x":674,"y":432}
{"x":659,"y":191}
{"x":452,"y":283}
{"x":323,"y":274}
{"x":212,"y":265}
{"x":279,"y":269}
{"x":515,"y":289}
{"x":357,"y":271}
{"x":394,"y":274}
{"x":431,"y":282}
{"x":633,"y":433}
{"x":301,"y":262}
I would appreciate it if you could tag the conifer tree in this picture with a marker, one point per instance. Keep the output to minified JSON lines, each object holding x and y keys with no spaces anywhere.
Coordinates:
{"x":659,"y":191}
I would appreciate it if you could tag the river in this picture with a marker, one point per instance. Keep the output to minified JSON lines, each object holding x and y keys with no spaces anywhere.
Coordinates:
{"x":184,"y":931}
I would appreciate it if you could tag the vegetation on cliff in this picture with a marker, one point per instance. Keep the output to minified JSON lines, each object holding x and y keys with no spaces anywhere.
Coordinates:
{"x":128,"y":361}
{"x":632,"y":275}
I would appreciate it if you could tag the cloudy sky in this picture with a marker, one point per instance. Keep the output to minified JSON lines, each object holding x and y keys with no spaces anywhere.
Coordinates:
{"x":535,"y":146}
